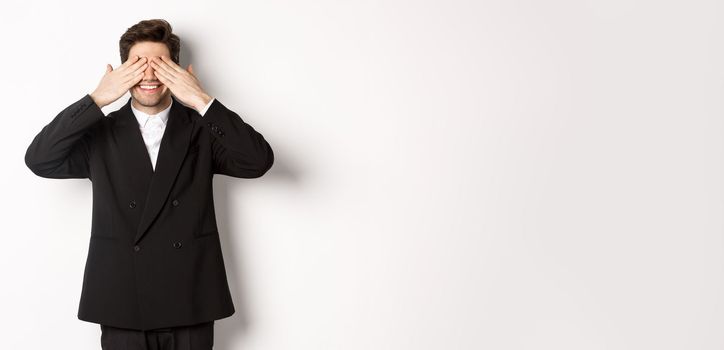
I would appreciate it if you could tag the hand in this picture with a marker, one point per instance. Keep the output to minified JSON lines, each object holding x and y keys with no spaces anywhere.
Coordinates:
{"x":115,"y":83}
{"x":182,"y":82}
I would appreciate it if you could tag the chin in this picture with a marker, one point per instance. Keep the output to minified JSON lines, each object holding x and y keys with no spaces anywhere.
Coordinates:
{"x":150,"y":101}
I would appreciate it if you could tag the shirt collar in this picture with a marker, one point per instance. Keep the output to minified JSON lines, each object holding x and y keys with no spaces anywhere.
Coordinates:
{"x":142,"y":118}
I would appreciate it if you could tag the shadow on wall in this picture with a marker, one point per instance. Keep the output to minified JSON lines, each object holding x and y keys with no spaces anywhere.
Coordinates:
{"x":232,"y":330}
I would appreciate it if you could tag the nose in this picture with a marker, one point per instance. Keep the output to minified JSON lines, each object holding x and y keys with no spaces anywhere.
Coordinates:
{"x":148,"y":72}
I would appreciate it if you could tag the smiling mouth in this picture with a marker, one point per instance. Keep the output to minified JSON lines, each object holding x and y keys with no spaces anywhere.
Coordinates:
{"x":149,"y":88}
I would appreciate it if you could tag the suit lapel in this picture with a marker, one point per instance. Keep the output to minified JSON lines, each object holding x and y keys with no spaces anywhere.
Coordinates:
{"x":174,"y":144}
{"x":133,"y":155}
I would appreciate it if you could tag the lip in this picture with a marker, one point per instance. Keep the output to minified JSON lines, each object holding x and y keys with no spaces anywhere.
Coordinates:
{"x":149,"y":92}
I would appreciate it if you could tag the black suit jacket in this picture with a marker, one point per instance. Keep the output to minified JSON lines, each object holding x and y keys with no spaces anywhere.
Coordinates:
{"x":154,"y":257}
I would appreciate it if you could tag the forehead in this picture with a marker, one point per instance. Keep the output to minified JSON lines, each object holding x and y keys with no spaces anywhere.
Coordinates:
{"x":148,"y":48}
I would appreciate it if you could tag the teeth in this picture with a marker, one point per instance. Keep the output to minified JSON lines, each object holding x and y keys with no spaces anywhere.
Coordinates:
{"x":149,"y":87}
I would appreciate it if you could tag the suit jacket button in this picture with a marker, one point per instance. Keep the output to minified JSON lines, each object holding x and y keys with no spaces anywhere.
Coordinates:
{"x":132,"y":204}
{"x":175,"y":203}
{"x":136,"y":248}
{"x":177,"y":245}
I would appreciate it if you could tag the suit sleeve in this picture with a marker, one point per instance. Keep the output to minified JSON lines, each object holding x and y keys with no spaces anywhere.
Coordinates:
{"x":238,"y":149}
{"x":61,"y":150}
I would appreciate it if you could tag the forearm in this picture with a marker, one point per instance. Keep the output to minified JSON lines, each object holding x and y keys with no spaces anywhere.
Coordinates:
{"x":239,"y":150}
{"x":60,"y":149}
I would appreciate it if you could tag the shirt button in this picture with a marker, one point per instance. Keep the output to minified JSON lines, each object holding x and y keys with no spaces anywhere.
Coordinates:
{"x":177,"y":245}
{"x":136,"y":248}
{"x":132,"y":204}
{"x":175,"y":203}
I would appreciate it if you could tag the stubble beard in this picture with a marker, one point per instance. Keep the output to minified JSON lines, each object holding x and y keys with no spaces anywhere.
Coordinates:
{"x":150,"y":101}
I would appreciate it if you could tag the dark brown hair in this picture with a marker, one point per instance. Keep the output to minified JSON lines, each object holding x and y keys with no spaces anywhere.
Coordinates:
{"x":154,"y":30}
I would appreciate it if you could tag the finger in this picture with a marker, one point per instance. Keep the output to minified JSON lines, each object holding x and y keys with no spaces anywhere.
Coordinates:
{"x":193,"y":74}
{"x":135,"y":69}
{"x":164,"y":78}
{"x":135,"y":78}
{"x":131,"y":74}
{"x":132,"y":68}
{"x":131,"y":60}
{"x":171,"y":63}
{"x":171,"y":86}
{"x":132,"y":82}
{"x":159,"y":65}
{"x":138,"y":63}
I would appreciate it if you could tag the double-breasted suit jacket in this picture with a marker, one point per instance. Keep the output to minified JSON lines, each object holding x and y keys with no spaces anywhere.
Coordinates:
{"x":154,"y":256}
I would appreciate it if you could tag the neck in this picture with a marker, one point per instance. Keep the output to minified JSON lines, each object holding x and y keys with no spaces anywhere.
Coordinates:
{"x":152,"y":109}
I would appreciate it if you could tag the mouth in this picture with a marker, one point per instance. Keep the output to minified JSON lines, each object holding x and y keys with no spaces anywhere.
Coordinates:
{"x":149,"y":89}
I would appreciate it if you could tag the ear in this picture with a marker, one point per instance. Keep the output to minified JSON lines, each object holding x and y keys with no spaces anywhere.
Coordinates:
{"x":190,"y":69}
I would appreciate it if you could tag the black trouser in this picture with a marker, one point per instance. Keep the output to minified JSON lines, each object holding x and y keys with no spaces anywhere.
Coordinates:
{"x":195,"y":337}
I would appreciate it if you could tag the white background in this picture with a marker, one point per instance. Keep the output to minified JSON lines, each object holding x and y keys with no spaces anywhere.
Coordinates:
{"x":449,"y":174}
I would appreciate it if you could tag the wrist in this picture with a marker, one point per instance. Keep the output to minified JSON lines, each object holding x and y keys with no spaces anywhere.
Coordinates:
{"x":98,"y":102}
{"x":204,"y":99}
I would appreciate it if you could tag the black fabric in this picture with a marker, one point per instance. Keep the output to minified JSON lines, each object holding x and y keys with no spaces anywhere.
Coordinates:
{"x":194,"y":337}
{"x":154,"y":253}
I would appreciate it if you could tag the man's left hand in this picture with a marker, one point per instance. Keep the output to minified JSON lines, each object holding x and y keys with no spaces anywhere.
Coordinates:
{"x":182,"y":82}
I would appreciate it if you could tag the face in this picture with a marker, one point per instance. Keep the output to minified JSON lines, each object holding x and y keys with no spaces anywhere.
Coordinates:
{"x":154,"y":100}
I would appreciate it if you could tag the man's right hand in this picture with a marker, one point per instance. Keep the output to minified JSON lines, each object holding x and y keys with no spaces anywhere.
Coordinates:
{"x":115,"y":83}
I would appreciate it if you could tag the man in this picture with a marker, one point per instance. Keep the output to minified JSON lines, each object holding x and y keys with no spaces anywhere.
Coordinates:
{"x":154,"y":275}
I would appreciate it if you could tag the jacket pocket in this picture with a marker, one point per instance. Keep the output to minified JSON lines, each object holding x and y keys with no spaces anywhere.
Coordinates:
{"x":207,"y":234}
{"x":206,"y":238}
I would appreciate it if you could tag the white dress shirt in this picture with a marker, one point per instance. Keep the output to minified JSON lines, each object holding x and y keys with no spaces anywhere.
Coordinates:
{"x":153,"y":126}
